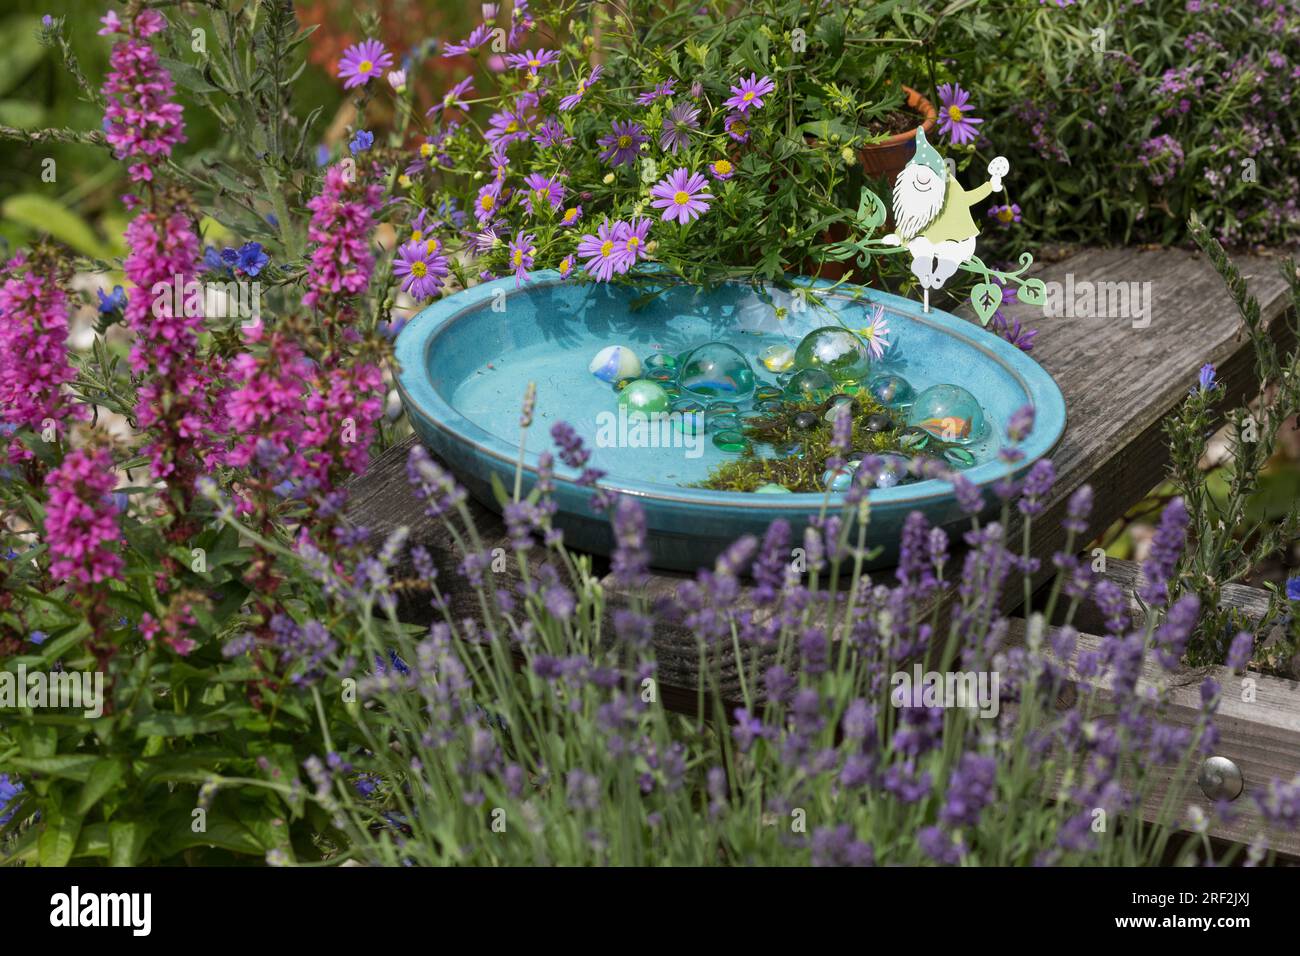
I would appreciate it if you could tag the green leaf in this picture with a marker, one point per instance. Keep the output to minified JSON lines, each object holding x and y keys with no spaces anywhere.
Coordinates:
{"x":182,"y":725}
{"x":44,"y":215}
{"x":59,"y":838}
{"x":103,"y":777}
{"x":69,"y":766}
{"x":21,"y":50}
{"x":187,"y":76}
{"x":126,"y":839}
{"x":22,"y":114}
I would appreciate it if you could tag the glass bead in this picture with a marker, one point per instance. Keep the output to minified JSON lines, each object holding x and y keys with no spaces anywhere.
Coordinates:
{"x":836,"y":351}
{"x":763,"y":392}
{"x":810,"y":385}
{"x":660,"y":360}
{"x":841,"y":478}
{"x":716,"y":370}
{"x":615,"y":362}
{"x":643,"y":397}
{"x":730,"y":441}
{"x":892,"y":391}
{"x":949,"y":413}
{"x":777,"y":358}
{"x":771,"y":488}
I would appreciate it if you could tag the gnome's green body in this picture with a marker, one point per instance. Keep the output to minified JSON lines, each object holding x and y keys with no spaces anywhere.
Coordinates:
{"x":939,"y":239}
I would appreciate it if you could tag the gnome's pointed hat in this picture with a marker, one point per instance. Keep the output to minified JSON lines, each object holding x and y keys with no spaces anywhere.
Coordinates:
{"x":927,"y":155}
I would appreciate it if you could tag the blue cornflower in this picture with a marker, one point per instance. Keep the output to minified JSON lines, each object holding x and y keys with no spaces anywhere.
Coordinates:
{"x":115,"y":301}
{"x":250,"y":258}
{"x":1293,"y":588}
{"x":1206,"y":380}
{"x":229,"y":257}
{"x":362,"y":141}
{"x":213,"y":259}
{"x":39,"y":637}
{"x":9,"y":790}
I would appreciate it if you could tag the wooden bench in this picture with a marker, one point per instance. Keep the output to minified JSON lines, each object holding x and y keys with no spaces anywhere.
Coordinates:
{"x":1120,"y":381}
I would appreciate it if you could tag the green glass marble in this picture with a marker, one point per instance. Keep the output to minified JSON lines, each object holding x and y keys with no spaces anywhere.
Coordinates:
{"x":672,"y":390}
{"x":730,"y":441}
{"x":661,"y":374}
{"x":892,"y":391}
{"x":770,"y":405}
{"x":716,"y":370}
{"x":914,"y":439}
{"x":722,"y":406}
{"x":834,"y":350}
{"x":810,"y":385}
{"x":644,"y":397}
{"x":763,"y":392}
{"x":771,"y":488}
{"x":959,"y":457}
{"x":949,"y":413}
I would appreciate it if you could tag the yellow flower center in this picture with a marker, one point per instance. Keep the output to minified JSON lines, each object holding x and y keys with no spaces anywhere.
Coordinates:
{"x":519,"y":257}
{"x":432,"y":246}
{"x":488,"y":201}
{"x":624,"y":142}
{"x":426,"y":150}
{"x":722,"y":167}
{"x":955,"y":114}
{"x":1005,"y":214}
{"x":512,"y":127}
{"x":565,"y":266}
{"x":365,"y":66}
{"x":416,"y":235}
{"x":681,"y":197}
{"x":748,"y":96}
{"x":571,"y":213}
{"x":534,"y":63}
{"x":419,"y":269}
{"x":607,"y":248}
{"x":739,"y":128}
{"x":633,"y":243}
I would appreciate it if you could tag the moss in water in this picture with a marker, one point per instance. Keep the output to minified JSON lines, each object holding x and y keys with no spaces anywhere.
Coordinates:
{"x":773,"y":436}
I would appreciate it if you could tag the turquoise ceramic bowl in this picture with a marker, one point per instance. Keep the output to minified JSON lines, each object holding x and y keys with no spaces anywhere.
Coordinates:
{"x":467,"y":359}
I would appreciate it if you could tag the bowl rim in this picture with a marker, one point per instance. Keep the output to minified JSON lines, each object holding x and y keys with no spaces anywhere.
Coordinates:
{"x":421,"y":400}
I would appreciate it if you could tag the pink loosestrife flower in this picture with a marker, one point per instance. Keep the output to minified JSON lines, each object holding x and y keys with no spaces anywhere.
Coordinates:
{"x":81,"y":526}
{"x":343,"y":216}
{"x":141,"y":122}
{"x":33,"y":354}
{"x":340,"y":413}
{"x":166,"y":314}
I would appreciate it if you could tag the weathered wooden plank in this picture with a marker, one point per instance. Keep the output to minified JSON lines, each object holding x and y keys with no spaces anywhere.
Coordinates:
{"x":1258,"y":722}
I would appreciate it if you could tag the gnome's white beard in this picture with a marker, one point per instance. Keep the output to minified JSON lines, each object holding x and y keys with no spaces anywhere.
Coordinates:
{"x":914,"y":208}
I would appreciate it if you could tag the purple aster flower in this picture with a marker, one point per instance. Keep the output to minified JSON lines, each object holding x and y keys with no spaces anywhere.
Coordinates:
{"x":488,"y":201}
{"x":571,"y":216}
{"x":551,"y":133}
{"x":874,"y":333}
{"x":521,"y":256}
{"x":954,"y":120}
{"x":573,"y":99}
{"x":362,"y":61}
{"x":542,"y":191}
{"x":722,"y":169}
{"x":1005,"y":214}
{"x":682,"y":195}
{"x":665,"y":88}
{"x":506,"y":127}
{"x":632,"y":241}
{"x":423,"y":269}
{"x":679,"y":122}
{"x":453,"y":97}
{"x":603,"y":252}
{"x":749,"y":94}
{"x":476,"y":39}
{"x":621,"y":145}
{"x":737,"y":127}
{"x":532,"y":60}
{"x":565,"y":268}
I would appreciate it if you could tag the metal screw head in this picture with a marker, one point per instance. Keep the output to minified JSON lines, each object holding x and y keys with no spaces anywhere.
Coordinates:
{"x":1220,"y":779}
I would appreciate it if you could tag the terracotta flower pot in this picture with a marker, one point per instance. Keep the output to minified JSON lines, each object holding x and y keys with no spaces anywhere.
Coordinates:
{"x":888,"y":157}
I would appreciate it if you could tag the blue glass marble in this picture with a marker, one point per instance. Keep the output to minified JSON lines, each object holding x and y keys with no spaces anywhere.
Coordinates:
{"x":948,"y":413}
{"x":892,"y":391}
{"x":716,"y":370}
{"x":810,"y":385}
